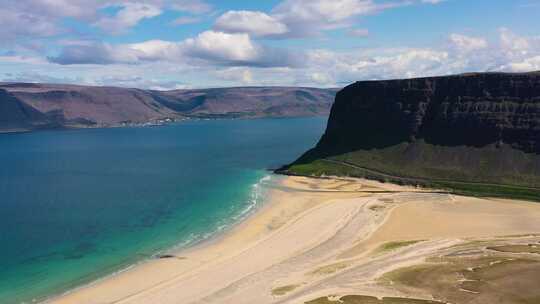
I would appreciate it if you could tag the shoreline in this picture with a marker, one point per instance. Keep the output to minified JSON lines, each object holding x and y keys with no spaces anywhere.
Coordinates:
{"x":180,"y":248}
{"x":152,"y":124}
{"x":310,"y":232}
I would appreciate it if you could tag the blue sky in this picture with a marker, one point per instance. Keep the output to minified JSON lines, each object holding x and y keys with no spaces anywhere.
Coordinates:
{"x":168,"y":44}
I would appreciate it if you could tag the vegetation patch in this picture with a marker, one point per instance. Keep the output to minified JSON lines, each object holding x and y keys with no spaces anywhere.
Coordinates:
{"x":329,"y":269}
{"x":280,"y":291}
{"x":395,"y":245}
{"x":530,"y":248}
{"x":461,"y":185}
{"x":358,"y":299}
{"x":376,"y":208}
{"x":497,"y":277}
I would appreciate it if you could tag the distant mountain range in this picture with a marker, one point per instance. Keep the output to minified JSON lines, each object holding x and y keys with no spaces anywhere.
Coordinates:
{"x":474,"y":133}
{"x":31,"y":106}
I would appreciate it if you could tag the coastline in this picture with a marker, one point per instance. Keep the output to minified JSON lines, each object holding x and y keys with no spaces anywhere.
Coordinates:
{"x":265,"y":183}
{"x":306,"y":233}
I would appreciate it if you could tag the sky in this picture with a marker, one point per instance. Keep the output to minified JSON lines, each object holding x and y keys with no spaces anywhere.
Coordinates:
{"x":177,"y":44}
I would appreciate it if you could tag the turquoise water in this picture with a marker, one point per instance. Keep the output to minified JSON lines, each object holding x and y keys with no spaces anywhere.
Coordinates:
{"x":76,"y":205}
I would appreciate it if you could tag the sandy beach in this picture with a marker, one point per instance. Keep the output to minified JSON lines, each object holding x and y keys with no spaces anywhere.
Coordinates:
{"x":315,"y":238}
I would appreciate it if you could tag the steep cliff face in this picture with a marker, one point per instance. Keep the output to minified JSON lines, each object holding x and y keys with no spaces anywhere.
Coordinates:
{"x":481,"y":128}
{"x":471,"y":110}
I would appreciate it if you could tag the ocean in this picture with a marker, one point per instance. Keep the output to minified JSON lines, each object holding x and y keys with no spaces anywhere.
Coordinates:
{"x":81,"y":204}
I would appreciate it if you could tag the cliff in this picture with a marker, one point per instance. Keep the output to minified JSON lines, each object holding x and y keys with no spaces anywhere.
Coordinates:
{"x":72,"y":106}
{"x":471,"y":128}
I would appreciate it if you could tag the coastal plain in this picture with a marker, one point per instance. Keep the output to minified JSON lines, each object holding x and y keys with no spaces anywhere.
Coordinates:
{"x":345,"y":240}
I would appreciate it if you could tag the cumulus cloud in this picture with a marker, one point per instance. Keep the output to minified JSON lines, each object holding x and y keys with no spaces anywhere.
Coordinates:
{"x":11,"y":25}
{"x":94,"y":53}
{"x":512,"y":42}
{"x":235,"y":51}
{"x":244,"y":59}
{"x":467,"y":44}
{"x":40,"y":18}
{"x":509,"y":53}
{"x":208,"y":47}
{"x":525,"y":65}
{"x":236,"y":75}
{"x":346,"y":67}
{"x":190,"y":6}
{"x":310,"y":17}
{"x":305,"y":18}
{"x":219,"y":46}
{"x":129,"y":15}
{"x":24,"y":19}
{"x":251,"y":22}
{"x":105,"y":53}
{"x":186,"y":20}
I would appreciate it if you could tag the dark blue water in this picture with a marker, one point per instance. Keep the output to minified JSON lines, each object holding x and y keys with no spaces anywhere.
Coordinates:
{"x":76,"y":205}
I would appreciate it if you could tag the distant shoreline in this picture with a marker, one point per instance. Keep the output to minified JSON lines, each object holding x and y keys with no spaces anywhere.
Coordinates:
{"x":147,"y":124}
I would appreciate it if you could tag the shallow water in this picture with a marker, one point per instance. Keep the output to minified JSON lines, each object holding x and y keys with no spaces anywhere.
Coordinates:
{"x":77,"y":205}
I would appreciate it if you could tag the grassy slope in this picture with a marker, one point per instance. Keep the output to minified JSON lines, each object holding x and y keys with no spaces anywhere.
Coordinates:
{"x":467,"y":171}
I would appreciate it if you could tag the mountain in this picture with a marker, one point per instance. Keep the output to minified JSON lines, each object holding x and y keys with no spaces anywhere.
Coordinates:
{"x":473,"y":133}
{"x":16,"y":115}
{"x":29,"y":106}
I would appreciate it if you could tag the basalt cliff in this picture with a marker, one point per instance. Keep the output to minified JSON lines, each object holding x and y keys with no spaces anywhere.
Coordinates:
{"x":477,"y":132}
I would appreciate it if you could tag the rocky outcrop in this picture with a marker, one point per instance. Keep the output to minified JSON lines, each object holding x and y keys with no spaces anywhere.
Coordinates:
{"x":482,"y":128}
{"x":471,"y":110}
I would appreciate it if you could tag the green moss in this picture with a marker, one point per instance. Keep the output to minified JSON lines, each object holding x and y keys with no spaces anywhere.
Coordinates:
{"x":321,"y":168}
{"x":279,"y":291}
{"x":329,"y":269}
{"x":395,"y":245}
{"x":358,"y":299}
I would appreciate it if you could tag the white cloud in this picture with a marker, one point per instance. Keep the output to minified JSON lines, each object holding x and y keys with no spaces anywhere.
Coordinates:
{"x":251,"y":22}
{"x":22,"y":59}
{"x":468,"y":44}
{"x":321,"y":78}
{"x":512,"y":42}
{"x":14,"y":24}
{"x":128,"y":16}
{"x":154,"y":50}
{"x":324,"y":11}
{"x":310,"y":17}
{"x":186,"y":20}
{"x":190,"y":6}
{"x":24,"y":19}
{"x":526,"y":65}
{"x":209,"y":47}
{"x":333,"y":68}
{"x":243,"y":76}
{"x":303,"y":18}
{"x":222,"y":46}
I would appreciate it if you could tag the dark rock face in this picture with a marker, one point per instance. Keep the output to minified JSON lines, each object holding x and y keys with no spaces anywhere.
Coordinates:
{"x":462,"y":110}
{"x":473,"y":128}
